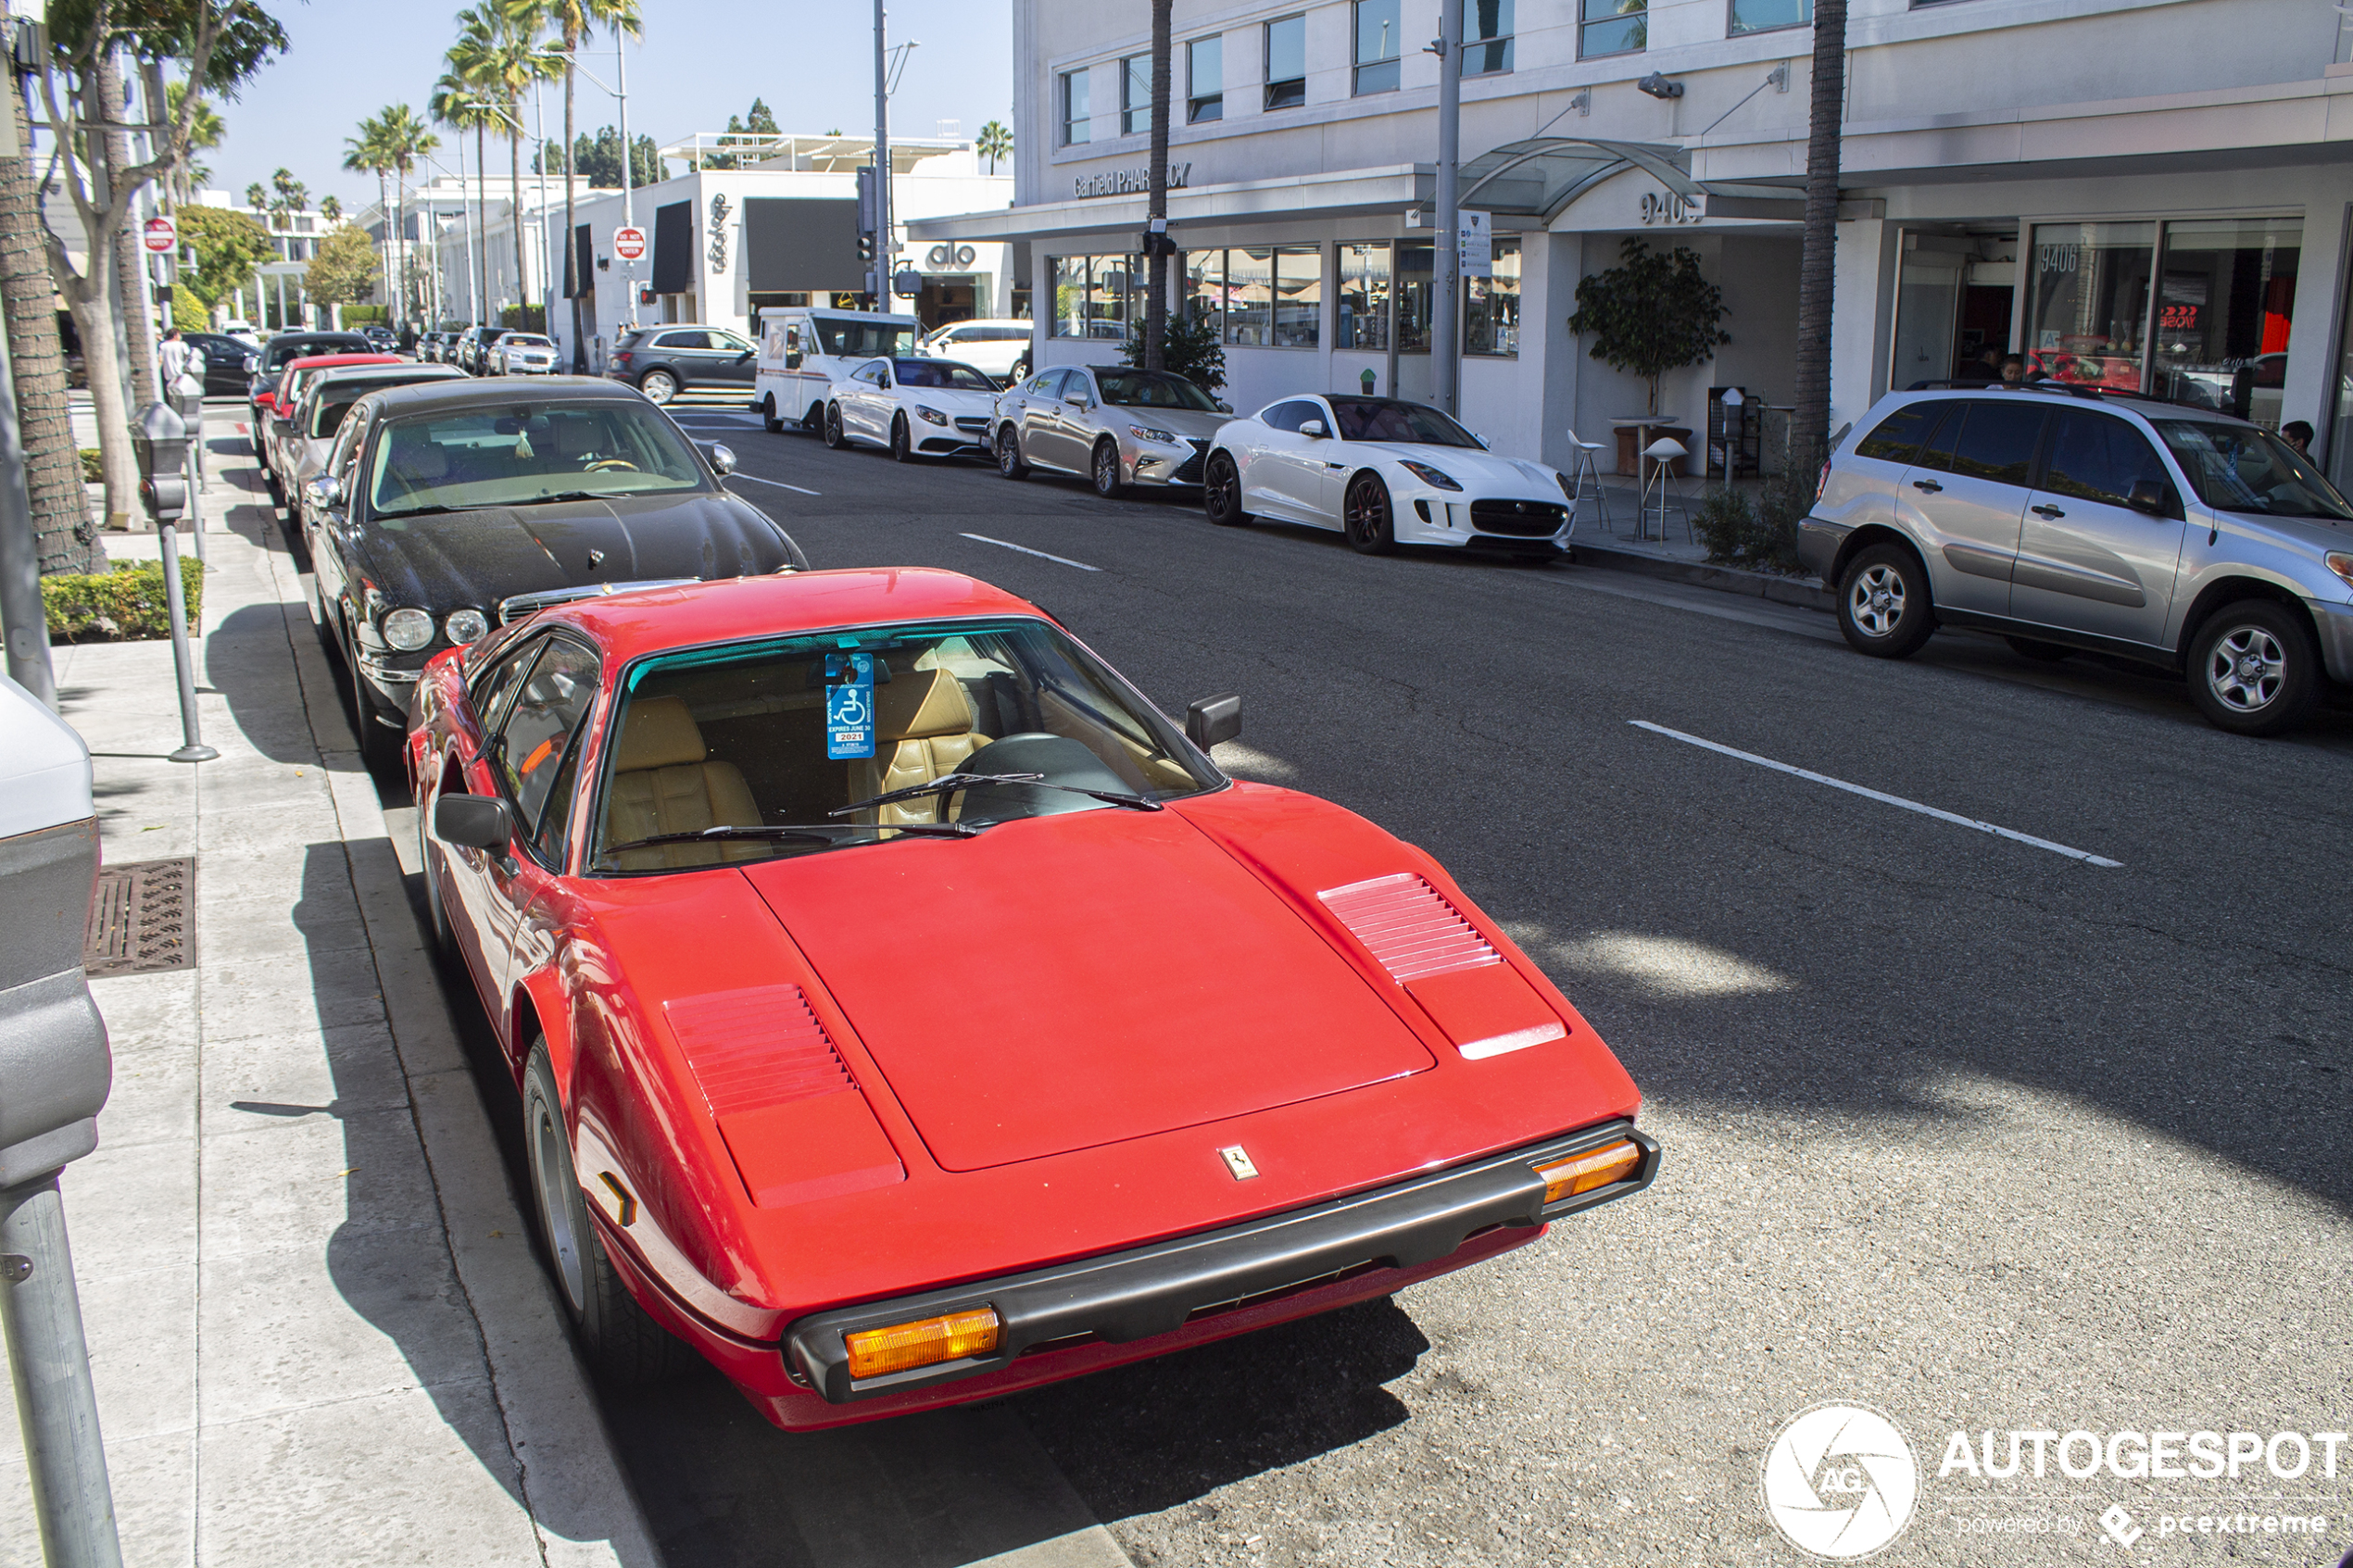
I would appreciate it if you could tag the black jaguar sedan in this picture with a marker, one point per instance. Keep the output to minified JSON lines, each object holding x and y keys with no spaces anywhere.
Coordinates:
{"x":445,"y":508}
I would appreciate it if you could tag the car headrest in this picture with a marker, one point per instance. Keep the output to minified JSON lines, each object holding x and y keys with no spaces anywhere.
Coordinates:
{"x":422,"y":459}
{"x":921,"y":703}
{"x":659,"y":733}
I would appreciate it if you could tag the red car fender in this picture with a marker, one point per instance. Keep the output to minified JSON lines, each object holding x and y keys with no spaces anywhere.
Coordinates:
{"x":544,"y":994}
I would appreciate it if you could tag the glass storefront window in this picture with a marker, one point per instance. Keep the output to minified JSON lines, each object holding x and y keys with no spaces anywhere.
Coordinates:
{"x":1363,"y":295}
{"x":2090,"y":304}
{"x":1299,"y":295}
{"x":2225,"y":294}
{"x":1095,"y":296}
{"x":1070,"y":296}
{"x":1205,"y":288}
{"x":1490,"y":306}
{"x":1417,"y":263}
{"x":1250,"y":298}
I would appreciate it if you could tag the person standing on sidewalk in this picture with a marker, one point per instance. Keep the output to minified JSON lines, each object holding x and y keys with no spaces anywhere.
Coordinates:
{"x":174,"y":355}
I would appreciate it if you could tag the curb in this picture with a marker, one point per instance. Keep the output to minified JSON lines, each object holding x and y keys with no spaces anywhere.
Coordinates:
{"x":1807,"y":593}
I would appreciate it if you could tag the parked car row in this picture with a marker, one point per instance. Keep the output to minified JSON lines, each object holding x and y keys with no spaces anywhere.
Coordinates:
{"x":490,"y":351}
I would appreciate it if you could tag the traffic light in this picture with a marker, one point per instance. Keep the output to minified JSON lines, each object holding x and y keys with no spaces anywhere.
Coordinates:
{"x":865,"y":247}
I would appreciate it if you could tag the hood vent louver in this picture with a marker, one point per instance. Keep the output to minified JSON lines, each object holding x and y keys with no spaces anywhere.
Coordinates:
{"x":1410,"y":927}
{"x":757,"y":1047}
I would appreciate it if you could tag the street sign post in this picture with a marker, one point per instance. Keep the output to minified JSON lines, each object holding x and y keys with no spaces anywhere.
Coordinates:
{"x":629,"y":242}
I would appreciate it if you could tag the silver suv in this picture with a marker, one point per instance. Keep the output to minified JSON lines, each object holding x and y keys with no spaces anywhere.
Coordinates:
{"x":2065,"y":519}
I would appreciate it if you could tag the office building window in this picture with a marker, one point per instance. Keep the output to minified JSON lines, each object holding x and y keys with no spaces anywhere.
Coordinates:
{"x":1377,"y":42}
{"x":1287,"y":62}
{"x":1487,"y":37}
{"x":1490,"y":306}
{"x":1364,"y":296}
{"x":1612,"y":27}
{"x":1205,"y":79}
{"x":1077,"y":119}
{"x":1135,"y":96}
{"x":1765,"y":16}
{"x":1096,"y":296}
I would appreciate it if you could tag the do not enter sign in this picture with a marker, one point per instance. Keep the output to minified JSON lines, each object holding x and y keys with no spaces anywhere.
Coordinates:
{"x":160,"y":235}
{"x":629,"y":243}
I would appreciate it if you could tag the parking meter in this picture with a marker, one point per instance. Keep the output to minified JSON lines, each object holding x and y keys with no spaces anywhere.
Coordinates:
{"x":161,"y":441}
{"x":186,"y":397}
{"x":54,"y":1071}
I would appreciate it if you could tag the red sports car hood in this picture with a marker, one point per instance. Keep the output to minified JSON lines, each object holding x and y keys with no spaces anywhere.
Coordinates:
{"x":1065,"y":982}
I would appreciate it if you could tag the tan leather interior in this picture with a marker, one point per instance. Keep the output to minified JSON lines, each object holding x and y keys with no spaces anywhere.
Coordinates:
{"x":923,"y":729}
{"x":665,"y":782}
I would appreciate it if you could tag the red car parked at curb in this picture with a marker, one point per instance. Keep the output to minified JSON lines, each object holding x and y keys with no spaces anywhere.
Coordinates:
{"x":906,"y":1012}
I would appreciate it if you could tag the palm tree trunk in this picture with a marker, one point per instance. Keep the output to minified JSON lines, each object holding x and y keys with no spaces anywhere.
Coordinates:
{"x":66,"y":539}
{"x":571,"y":245}
{"x":1156,"y":303}
{"x":1818,"y":272}
{"x":138,"y":332}
{"x":514,"y":209}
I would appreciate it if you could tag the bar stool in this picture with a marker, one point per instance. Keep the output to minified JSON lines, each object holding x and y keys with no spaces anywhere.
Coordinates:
{"x":1588,"y":469}
{"x":1661,"y":455}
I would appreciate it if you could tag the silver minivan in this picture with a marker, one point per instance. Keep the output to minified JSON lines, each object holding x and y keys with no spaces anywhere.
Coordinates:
{"x":2065,"y":519}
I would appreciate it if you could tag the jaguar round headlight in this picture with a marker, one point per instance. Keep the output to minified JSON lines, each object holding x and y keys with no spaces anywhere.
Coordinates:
{"x":931,"y":414}
{"x":467,"y":625}
{"x":408,"y":629}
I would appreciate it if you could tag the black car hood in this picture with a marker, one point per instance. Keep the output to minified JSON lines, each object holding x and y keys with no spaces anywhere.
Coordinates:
{"x":479,"y":558}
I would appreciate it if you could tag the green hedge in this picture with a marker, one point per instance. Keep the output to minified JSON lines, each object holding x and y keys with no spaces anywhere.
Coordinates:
{"x":126,"y":604}
{"x":93,"y":470}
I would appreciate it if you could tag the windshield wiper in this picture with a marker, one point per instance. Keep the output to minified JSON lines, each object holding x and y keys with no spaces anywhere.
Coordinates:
{"x":561,"y":495}
{"x":812,"y":833}
{"x":948,"y":784}
{"x":428,"y":511}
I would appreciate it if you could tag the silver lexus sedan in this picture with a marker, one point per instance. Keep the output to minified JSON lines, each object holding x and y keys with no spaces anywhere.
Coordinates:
{"x":1109,"y":424}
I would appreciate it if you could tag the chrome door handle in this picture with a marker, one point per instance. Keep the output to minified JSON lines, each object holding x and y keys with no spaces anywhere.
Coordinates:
{"x":1928,"y":485}
{"x":2046,"y":512}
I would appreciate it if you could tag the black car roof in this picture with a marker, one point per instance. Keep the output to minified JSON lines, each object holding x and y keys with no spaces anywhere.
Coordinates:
{"x":468,"y":392}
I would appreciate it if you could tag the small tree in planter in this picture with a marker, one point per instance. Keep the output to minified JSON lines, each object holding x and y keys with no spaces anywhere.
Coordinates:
{"x":1651,"y":313}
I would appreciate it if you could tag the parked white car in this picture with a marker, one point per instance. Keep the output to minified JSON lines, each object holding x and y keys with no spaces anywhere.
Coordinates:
{"x":1001,"y":349}
{"x":1385,"y":472}
{"x":522,"y":354}
{"x":915,"y":408}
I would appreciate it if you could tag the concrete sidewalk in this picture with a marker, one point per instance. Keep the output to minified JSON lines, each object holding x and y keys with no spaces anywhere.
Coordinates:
{"x":318,"y":1328}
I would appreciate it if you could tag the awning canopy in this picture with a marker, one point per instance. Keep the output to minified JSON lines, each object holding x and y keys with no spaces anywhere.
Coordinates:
{"x":1539,"y":177}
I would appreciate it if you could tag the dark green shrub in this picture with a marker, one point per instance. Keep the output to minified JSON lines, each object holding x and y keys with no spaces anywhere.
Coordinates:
{"x":1761,"y":534}
{"x":126,"y":604}
{"x":94,"y":470}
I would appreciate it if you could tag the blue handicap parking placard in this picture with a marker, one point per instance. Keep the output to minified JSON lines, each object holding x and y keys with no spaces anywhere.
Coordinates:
{"x":850,"y":707}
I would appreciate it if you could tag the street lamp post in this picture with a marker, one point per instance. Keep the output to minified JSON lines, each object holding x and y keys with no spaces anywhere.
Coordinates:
{"x":1445,"y":318}
{"x":620,"y":89}
{"x":885,"y":250}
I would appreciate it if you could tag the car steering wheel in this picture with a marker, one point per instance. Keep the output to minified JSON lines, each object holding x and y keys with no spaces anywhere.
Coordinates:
{"x":605,"y":465}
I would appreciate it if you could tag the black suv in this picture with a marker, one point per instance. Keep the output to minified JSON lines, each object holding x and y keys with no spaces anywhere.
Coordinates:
{"x":663,"y":361}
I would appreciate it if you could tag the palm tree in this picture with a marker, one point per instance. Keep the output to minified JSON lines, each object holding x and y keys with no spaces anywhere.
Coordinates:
{"x":456,"y":104}
{"x":407,"y":139}
{"x":1810,"y":425}
{"x":1156,"y":303}
{"x":367,"y":154}
{"x":573,"y":22}
{"x":292,"y":194}
{"x":500,"y":60}
{"x":256,"y":197}
{"x":205,"y":130}
{"x":330,"y":209}
{"x":996,"y":142}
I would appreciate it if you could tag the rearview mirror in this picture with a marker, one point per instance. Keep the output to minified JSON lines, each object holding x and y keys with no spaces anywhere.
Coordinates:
{"x":1077,"y":400}
{"x":1225,"y":408}
{"x":722,"y":459}
{"x":1312,"y":429}
{"x":253,"y":364}
{"x":1213,"y":719}
{"x":2147,"y":495}
{"x":474,"y":821}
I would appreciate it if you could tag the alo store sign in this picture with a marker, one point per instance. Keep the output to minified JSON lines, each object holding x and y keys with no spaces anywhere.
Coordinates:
{"x":1128,"y":182}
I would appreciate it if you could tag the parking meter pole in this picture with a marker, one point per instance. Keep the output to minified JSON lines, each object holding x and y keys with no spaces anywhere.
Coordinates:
{"x":49,"y":1362}
{"x":160,"y":438}
{"x":192,"y":749}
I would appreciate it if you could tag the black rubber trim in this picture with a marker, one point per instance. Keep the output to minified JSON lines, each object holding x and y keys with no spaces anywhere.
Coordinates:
{"x":1123,"y":1297}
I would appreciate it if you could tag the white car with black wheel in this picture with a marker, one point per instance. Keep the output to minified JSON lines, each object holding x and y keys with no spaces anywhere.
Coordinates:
{"x":913,"y":407}
{"x":1384,"y":472}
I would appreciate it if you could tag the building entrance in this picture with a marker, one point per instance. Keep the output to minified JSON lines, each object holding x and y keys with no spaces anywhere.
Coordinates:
{"x":1953,"y":296}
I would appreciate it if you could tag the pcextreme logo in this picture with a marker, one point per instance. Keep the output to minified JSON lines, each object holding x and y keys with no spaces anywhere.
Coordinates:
{"x":1839,"y":1482}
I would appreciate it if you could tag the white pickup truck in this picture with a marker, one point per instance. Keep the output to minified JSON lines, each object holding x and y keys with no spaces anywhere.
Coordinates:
{"x":803,"y":349}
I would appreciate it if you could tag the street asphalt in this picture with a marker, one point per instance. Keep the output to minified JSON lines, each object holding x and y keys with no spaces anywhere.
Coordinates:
{"x":1971,"y":1129}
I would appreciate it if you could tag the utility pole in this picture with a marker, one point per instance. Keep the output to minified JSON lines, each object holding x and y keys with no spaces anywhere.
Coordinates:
{"x":1445,"y":319}
{"x":628,"y":158}
{"x":546,"y":256}
{"x":886,"y":241}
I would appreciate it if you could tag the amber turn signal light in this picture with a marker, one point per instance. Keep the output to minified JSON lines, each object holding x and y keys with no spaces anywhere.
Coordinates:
{"x":928,"y":1342}
{"x":1583,"y":1172}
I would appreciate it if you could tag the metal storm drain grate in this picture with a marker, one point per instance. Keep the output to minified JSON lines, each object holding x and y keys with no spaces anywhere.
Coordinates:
{"x":142,"y":920}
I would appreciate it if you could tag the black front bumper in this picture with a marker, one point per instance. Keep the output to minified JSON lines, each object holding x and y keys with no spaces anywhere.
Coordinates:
{"x":1122,"y":1297}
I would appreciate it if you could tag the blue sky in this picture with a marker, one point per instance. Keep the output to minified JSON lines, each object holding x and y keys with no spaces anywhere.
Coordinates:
{"x":699,"y":61}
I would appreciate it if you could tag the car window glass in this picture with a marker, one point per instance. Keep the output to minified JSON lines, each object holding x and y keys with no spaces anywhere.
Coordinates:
{"x":548,"y":705}
{"x":1292,"y":415}
{"x":1076,"y":384}
{"x":1389,"y":419}
{"x":1152,"y":389}
{"x":1991,"y":441}
{"x":863,"y":340}
{"x":2100,"y":457}
{"x":683,"y":340}
{"x":487,"y":457}
{"x":729,"y":342}
{"x":1897,"y":437}
{"x":870,"y":374}
{"x":946,"y":375}
{"x":2238,"y":468}
{"x":490,"y":687}
{"x":551,"y":839}
{"x":1046,"y":385}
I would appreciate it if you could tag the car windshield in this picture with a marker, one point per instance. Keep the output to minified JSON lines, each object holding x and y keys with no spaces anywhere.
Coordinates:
{"x":1152,"y":389}
{"x":864,"y":339}
{"x":504,"y":456}
{"x":786,"y":735}
{"x":944,"y":373}
{"x":2241,"y":468}
{"x":524,"y":340}
{"x":1387,"y":418}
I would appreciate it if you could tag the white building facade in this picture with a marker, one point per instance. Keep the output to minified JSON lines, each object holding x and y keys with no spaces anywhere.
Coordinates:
{"x":2133,"y":194}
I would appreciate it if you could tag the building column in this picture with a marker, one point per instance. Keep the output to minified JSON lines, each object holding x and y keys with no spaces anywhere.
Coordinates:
{"x":1560,"y":265}
{"x":2313,"y":345}
{"x":1861,"y":316}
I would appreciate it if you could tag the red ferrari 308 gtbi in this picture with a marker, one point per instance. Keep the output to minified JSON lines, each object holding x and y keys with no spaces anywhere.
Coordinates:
{"x":906,"y":1012}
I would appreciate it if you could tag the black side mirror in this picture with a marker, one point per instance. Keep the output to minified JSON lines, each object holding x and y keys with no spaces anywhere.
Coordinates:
{"x":474,"y":821}
{"x":1213,"y":718}
{"x":2147,"y":495}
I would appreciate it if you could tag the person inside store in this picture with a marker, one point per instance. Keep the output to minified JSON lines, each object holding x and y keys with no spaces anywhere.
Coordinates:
{"x":2298,"y":434}
{"x":1986,"y":367}
{"x":2013,"y":368}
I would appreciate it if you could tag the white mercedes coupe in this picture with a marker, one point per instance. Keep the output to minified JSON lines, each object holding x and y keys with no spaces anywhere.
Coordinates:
{"x":916,"y":408}
{"x":1384,"y":472}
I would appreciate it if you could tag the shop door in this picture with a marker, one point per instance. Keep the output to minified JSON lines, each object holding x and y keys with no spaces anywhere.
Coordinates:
{"x":1928,"y":305}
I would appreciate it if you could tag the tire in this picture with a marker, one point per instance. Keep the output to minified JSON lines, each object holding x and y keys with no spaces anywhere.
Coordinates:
{"x":835,"y":438}
{"x":902,"y":443}
{"x":659,"y":386}
{"x":1883,"y":604}
{"x":1009,"y":459}
{"x":621,"y":1344}
{"x":1020,"y":370}
{"x":2254,"y":668}
{"x":2046,"y":653}
{"x":768,"y":415}
{"x":1221,"y":492}
{"x":436,"y":916}
{"x":1367,"y":517}
{"x":1102,"y":469}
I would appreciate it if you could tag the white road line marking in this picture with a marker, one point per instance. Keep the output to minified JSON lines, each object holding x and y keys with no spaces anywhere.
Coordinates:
{"x":1063,"y":561}
{"x":1884,"y":799}
{"x":777,"y":482}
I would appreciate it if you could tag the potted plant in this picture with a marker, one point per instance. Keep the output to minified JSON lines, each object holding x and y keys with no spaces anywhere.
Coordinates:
{"x":1651,"y":313}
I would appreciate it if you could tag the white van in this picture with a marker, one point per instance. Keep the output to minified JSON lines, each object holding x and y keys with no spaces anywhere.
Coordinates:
{"x":1001,"y":348}
{"x":803,"y":349}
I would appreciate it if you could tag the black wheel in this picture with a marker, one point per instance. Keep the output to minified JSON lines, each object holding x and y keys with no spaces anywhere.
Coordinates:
{"x":1364,"y":514}
{"x":379,"y":742}
{"x":2046,"y":653}
{"x":621,"y":1343}
{"x":2254,"y":670}
{"x":436,"y":916}
{"x":1883,"y":604}
{"x":1009,"y":459}
{"x":768,"y":415}
{"x":834,"y":436}
{"x":1221,"y":492}
{"x":902,"y":445}
{"x":1104,"y":471}
{"x":659,"y":386}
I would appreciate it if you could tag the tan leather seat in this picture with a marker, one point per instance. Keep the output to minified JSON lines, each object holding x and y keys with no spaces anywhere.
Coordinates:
{"x":664,"y":781}
{"x":923,"y":729}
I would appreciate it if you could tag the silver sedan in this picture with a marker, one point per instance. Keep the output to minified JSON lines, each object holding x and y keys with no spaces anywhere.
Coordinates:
{"x":1109,"y":424}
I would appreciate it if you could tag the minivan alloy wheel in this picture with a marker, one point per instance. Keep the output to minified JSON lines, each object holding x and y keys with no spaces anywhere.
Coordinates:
{"x":1877,"y":600}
